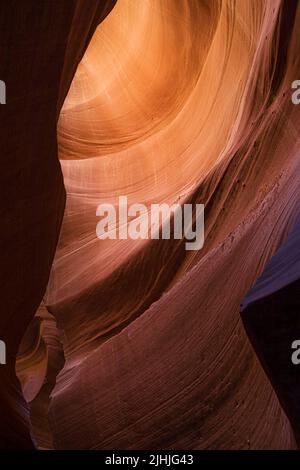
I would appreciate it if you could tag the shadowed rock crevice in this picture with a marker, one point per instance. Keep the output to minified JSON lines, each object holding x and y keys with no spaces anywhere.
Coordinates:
{"x":37,"y":65}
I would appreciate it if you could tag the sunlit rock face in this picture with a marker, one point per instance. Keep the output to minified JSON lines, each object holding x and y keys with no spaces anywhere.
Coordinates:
{"x":173,"y":101}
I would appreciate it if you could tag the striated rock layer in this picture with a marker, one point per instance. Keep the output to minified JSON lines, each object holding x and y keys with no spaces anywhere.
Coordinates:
{"x":138,"y":344}
{"x":193,"y":105}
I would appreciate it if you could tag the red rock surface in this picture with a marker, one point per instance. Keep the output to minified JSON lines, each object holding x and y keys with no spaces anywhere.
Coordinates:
{"x":142,"y":345}
{"x":41,"y":44}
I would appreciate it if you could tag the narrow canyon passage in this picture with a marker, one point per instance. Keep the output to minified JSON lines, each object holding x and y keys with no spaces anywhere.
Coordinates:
{"x":139,"y":344}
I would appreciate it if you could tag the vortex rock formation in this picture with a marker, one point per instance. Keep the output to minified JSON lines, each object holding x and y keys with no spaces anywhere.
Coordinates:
{"x":139,"y":343}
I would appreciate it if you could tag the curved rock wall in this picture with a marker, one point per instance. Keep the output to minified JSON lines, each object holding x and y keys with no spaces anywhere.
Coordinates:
{"x":156,"y":356}
{"x":37,"y":42}
{"x":140,"y":341}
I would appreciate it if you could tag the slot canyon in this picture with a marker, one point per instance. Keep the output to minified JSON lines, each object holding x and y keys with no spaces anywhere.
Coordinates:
{"x":141,"y":344}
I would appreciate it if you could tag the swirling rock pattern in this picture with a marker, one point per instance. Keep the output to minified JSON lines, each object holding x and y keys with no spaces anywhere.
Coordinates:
{"x":141,"y":342}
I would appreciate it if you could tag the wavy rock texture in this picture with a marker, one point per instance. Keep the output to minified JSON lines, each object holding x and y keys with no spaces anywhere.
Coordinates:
{"x":39,"y":361}
{"x":173,"y":101}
